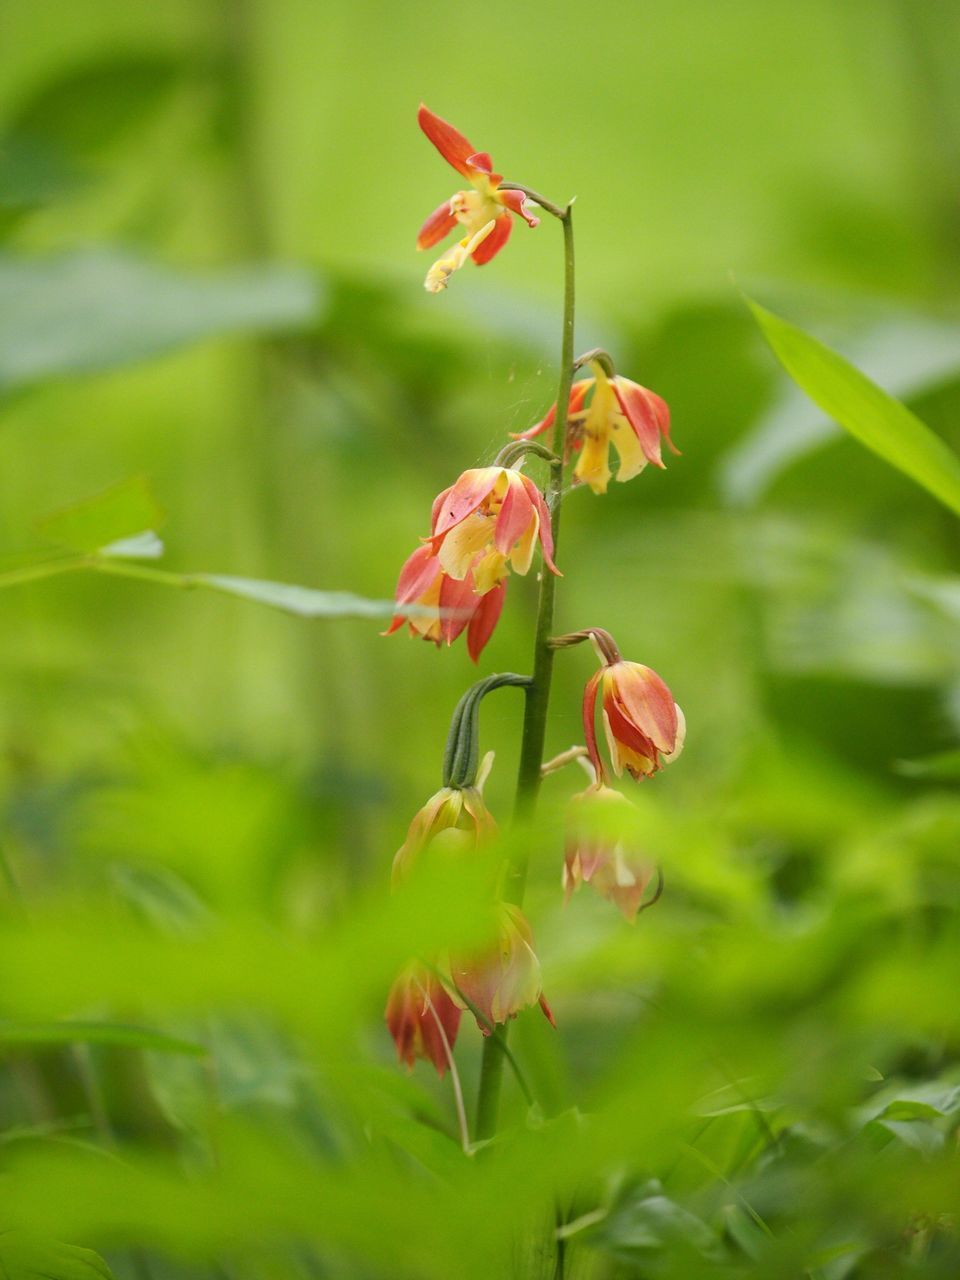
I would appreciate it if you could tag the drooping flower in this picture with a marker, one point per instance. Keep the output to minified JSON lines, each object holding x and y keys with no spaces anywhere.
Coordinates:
{"x":451,"y":605}
{"x":486,"y":202}
{"x":644,"y":726}
{"x":422,"y":1018}
{"x":505,"y":978}
{"x":601,"y":851}
{"x":620,"y":413}
{"x":491,"y":517}
{"x":454,"y":820}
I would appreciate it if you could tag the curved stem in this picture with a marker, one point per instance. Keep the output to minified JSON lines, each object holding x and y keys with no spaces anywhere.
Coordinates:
{"x":462,"y":753}
{"x":538,"y":692}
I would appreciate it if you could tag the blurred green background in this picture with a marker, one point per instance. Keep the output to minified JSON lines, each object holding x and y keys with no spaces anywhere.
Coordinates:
{"x":208,"y":277}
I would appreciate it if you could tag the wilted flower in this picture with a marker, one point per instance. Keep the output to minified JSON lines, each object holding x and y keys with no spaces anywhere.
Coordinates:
{"x":505,"y":978}
{"x":644,"y":726}
{"x":422,"y":1018}
{"x":485,"y":211}
{"x":491,"y":517}
{"x":451,"y":605}
{"x":454,"y":820}
{"x":620,"y":413}
{"x":600,"y":850}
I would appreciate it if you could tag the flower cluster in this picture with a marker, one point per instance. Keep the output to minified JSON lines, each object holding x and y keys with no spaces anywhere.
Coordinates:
{"x":484,"y":527}
{"x":495,"y":982}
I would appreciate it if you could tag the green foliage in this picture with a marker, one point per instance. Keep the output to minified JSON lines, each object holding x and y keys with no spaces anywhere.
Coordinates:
{"x":200,"y":799}
{"x":874,"y":418}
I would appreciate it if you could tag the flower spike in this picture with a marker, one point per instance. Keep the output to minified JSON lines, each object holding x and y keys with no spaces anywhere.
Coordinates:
{"x":484,"y":211}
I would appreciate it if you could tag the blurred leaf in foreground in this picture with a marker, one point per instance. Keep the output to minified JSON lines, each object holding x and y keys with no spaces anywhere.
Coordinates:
{"x":118,"y":514}
{"x":27,"y":1256}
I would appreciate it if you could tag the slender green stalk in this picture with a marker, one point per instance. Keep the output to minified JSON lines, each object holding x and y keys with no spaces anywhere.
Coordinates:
{"x":538,"y":692}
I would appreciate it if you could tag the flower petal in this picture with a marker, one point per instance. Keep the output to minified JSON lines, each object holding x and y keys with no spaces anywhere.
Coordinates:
{"x":494,"y":242}
{"x":515,"y":202}
{"x":646,"y":413}
{"x":450,"y":142}
{"x":546,"y":529}
{"x":589,"y":723}
{"x":463,"y":498}
{"x":514,"y":515}
{"x":457,"y":596}
{"x":440,"y":223}
{"x":646,"y":700}
{"x":485,"y":619}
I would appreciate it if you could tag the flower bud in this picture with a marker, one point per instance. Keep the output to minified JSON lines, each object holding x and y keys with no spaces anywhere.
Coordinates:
{"x":422,"y":1018}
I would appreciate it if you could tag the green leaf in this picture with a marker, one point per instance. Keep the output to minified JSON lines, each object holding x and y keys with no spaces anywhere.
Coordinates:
{"x":38,"y":1033}
{"x":303,"y":601}
{"x":97,"y":309}
{"x":872,"y":416}
{"x":122,"y":512}
{"x":25,"y":1255}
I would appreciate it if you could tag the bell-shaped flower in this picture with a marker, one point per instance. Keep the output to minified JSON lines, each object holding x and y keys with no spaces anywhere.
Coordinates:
{"x":422,"y":1018}
{"x":484,"y":203}
{"x":601,"y":849}
{"x":447,"y":606}
{"x":610,"y":411}
{"x":502,"y":979}
{"x":644,"y":726}
{"x":454,"y":820}
{"x":489,"y":519}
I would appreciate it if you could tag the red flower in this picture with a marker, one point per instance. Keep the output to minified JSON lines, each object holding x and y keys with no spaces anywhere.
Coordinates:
{"x":453,"y":604}
{"x":620,"y":413}
{"x":487,"y":203}
{"x":422,"y":1018}
{"x":644,"y":726}
{"x":504,"y":979}
{"x":600,"y":851}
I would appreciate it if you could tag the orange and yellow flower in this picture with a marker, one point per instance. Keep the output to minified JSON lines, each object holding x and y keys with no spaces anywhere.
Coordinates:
{"x":422,"y":1018}
{"x":644,"y":726}
{"x":484,"y":211}
{"x":491,"y":518}
{"x":505,"y":978}
{"x":450,"y":605}
{"x":621,"y":414}
{"x":601,"y":852}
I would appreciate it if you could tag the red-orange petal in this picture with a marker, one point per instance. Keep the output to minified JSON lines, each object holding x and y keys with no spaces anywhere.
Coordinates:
{"x":463,"y":498}
{"x":440,"y":223}
{"x":590,"y":723}
{"x":515,"y":202}
{"x":494,"y":242}
{"x":646,"y":700}
{"x":647,"y":413}
{"x":450,"y":142}
{"x":457,"y":595}
{"x":538,"y":429}
{"x":546,"y":528}
{"x":514,"y":516}
{"x":485,"y":619}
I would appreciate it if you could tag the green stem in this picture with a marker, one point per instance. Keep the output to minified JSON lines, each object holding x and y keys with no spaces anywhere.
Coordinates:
{"x":538,"y":692}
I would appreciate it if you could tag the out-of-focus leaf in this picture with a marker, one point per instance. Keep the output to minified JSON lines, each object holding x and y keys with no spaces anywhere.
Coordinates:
{"x":40,"y":1033}
{"x":911,"y":354}
{"x":32,"y":173}
{"x":647,"y":1220}
{"x":872,"y":416}
{"x":25,"y":1255}
{"x":142,"y":546}
{"x":96,"y":309}
{"x":304,"y":601}
{"x":942,"y":767}
{"x":90,"y":106}
{"x":125,"y":511}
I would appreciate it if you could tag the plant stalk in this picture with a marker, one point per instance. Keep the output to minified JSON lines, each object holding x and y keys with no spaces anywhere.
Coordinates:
{"x":538,"y":692}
